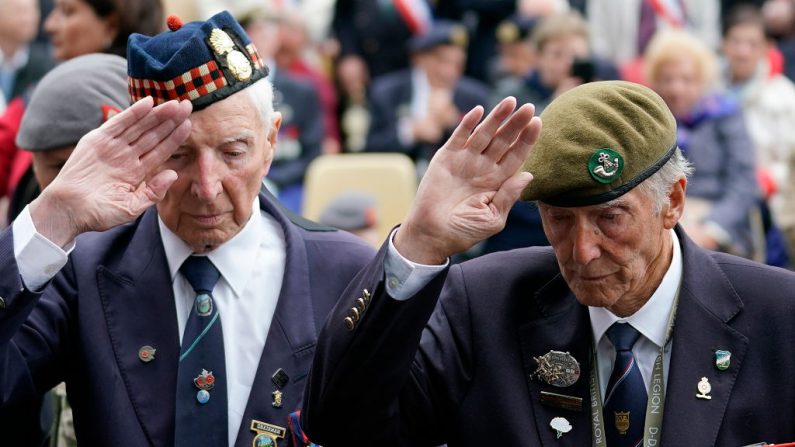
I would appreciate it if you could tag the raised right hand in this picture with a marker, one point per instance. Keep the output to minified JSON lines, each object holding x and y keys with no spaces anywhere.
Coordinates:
{"x":114,"y":173}
{"x":470,"y":185}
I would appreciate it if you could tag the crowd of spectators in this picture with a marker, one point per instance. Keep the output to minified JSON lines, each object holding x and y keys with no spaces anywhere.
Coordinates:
{"x":396,"y":76}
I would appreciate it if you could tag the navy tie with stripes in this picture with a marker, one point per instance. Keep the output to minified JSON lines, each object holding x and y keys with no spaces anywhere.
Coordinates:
{"x":625,"y":397}
{"x":201,"y":407}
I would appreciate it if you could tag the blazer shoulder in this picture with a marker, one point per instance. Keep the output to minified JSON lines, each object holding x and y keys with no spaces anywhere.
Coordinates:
{"x":754,"y":279}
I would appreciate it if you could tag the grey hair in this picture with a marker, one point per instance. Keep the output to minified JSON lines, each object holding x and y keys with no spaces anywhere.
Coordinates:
{"x":261,"y":94}
{"x":658,"y":186}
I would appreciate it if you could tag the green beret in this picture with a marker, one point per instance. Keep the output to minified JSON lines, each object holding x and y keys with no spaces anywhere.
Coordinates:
{"x":598,"y":141}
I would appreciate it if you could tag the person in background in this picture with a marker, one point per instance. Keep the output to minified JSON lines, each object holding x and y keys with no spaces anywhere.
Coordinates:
{"x":22,"y":62}
{"x":354,"y":114}
{"x":516,"y":54}
{"x":73,"y":99}
{"x":354,"y":212}
{"x":711,"y":131}
{"x":413,"y":111}
{"x":780,"y":27}
{"x":186,"y":310}
{"x":768,"y":103}
{"x":563,"y":61}
{"x":75,"y":27}
{"x":294,"y":56}
{"x":621,"y":30}
{"x":302,"y":130}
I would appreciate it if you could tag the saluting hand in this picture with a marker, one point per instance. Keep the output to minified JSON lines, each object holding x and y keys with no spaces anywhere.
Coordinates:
{"x":471,"y":184}
{"x":114,"y":173}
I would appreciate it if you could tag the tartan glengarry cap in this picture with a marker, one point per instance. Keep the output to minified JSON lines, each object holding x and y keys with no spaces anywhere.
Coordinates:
{"x":73,"y":99}
{"x":598,"y":141}
{"x":204,"y":62}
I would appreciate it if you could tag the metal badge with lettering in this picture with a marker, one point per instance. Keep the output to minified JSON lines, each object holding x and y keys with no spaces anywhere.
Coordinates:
{"x":622,"y":421}
{"x":557,"y":368}
{"x":267,"y":435}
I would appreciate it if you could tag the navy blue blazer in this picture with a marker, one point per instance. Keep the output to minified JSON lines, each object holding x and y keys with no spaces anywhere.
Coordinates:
{"x":459,"y":370}
{"x":115,"y":296}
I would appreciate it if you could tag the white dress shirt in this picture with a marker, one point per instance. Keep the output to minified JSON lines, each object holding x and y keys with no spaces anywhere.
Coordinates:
{"x":252,"y":267}
{"x":651,"y":321}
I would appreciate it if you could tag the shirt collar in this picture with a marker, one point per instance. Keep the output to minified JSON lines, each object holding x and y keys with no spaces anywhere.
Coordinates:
{"x":17,"y":61}
{"x":647,"y":320}
{"x":232,"y":258}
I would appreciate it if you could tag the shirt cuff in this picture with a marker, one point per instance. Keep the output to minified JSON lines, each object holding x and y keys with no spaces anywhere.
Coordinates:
{"x":38,"y":258}
{"x":405,"y":278}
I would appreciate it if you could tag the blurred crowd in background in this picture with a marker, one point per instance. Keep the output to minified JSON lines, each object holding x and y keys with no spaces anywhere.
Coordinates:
{"x":395,"y":76}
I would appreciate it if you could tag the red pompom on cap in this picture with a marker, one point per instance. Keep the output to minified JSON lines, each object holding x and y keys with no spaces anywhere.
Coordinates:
{"x":174,"y":23}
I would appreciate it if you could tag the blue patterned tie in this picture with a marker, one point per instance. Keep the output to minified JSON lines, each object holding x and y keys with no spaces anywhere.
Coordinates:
{"x":625,"y":397}
{"x":201,"y":410}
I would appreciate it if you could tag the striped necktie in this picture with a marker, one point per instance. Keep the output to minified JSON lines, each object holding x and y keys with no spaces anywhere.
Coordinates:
{"x":625,"y":397}
{"x":201,"y":407}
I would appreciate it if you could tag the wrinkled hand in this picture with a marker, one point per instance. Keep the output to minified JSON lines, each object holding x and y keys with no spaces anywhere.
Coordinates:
{"x":114,"y":173}
{"x":470,"y":185}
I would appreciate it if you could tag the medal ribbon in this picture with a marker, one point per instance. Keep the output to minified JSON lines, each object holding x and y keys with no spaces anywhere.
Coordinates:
{"x":652,"y":430}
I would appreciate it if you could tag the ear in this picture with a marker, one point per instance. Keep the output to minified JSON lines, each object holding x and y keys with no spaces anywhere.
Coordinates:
{"x":113,"y":26}
{"x":272,"y":137}
{"x":676,"y":206}
{"x":275,"y":126}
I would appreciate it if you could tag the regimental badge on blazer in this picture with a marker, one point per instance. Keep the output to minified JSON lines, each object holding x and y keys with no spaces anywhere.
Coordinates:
{"x":557,"y":368}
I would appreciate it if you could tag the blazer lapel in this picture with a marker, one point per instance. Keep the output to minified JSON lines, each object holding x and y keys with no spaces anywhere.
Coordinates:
{"x":564,"y":325}
{"x":136,"y":317}
{"x":291,"y":339}
{"x":707,"y":303}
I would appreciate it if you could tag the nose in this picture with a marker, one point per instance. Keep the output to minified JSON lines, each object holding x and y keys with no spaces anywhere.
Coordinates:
{"x":206,"y":185}
{"x":585,"y":246}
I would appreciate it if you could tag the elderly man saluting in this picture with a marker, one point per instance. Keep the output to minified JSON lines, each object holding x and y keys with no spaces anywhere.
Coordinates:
{"x":193,"y":321}
{"x":623,"y":333}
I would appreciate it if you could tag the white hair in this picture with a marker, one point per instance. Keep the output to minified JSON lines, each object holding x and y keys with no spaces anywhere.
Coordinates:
{"x":261,"y":94}
{"x":659,"y":185}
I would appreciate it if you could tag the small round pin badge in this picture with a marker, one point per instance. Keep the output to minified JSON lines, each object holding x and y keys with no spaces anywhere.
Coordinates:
{"x":203,"y":396}
{"x":146,"y":353}
{"x":605,"y":165}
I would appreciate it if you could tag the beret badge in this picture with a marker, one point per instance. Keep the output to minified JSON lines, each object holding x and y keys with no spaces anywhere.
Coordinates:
{"x":222,"y":45}
{"x":605,"y":165}
{"x":507,"y":33}
{"x":458,"y":36}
